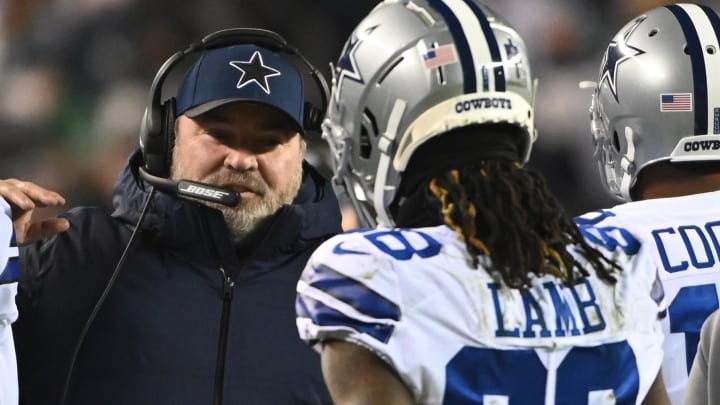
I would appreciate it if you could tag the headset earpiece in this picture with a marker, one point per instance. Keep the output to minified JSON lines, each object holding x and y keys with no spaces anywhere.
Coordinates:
{"x":152,"y":143}
{"x":157,"y":129}
{"x":312,"y":117}
{"x":168,"y":120}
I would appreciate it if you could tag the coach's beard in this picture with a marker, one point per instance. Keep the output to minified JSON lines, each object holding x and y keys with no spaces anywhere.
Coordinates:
{"x":245,"y":218}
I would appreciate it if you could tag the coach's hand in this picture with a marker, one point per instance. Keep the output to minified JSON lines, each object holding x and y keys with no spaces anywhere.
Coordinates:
{"x":24,"y":197}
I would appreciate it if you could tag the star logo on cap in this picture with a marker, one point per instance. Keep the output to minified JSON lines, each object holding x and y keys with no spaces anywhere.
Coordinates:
{"x":617,"y":53}
{"x":255,"y":71}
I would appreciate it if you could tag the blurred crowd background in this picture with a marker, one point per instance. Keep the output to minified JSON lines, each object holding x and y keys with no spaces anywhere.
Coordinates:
{"x":75,"y":76}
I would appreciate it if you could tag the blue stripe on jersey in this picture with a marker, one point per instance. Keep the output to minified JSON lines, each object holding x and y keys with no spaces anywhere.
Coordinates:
{"x":499,"y":71}
{"x":323,"y":315}
{"x":698,"y":66}
{"x":11,"y":273}
{"x":461,"y":44}
{"x":353,"y":293}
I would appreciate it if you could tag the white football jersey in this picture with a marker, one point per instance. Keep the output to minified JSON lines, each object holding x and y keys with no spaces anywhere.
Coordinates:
{"x":683,"y":236}
{"x":9,"y":273}
{"x":456,"y":336}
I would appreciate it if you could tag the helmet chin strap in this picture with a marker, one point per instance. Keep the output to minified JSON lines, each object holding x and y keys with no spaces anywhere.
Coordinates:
{"x":626,"y":163}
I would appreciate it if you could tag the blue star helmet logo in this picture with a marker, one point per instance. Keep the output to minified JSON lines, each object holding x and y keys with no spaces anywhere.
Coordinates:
{"x":617,"y":53}
{"x":255,"y":71}
{"x":347,"y":66}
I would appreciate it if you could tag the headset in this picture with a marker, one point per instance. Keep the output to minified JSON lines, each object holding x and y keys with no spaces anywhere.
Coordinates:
{"x":157,"y":131}
{"x":157,"y":139}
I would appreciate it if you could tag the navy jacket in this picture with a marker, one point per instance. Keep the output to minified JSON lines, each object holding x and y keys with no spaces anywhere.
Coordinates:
{"x":185,"y":308}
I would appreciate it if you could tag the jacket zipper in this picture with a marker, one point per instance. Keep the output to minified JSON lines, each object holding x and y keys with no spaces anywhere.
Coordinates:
{"x":228,"y":284}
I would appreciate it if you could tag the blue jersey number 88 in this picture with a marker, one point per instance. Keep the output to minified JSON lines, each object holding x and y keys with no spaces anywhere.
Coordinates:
{"x":519,"y":376}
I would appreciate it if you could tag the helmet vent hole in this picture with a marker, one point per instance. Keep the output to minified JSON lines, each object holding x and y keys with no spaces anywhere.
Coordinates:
{"x":653,"y":32}
{"x":710,"y":50}
{"x":616,"y":141}
{"x":364,"y":143}
{"x":368,"y":131}
{"x":370,"y":118}
{"x":390,"y":69}
{"x":686,"y":49}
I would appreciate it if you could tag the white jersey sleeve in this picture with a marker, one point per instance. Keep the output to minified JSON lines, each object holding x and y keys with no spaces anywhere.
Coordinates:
{"x":9,"y":273}
{"x":411,"y":297}
{"x":682,"y":236}
{"x":344,"y":294}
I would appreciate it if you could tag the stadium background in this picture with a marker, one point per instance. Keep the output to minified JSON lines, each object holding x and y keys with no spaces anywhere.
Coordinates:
{"x":74,"y":76}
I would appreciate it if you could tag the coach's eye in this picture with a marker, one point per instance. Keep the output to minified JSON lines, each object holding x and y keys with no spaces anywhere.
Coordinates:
{"x":220,"y":136}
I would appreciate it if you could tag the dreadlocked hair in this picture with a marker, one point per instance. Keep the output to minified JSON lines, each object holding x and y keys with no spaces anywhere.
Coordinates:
{"x":505,"y":212}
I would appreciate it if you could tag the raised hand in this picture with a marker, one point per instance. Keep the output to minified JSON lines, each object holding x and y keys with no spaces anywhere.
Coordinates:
{"x":24,"y":197}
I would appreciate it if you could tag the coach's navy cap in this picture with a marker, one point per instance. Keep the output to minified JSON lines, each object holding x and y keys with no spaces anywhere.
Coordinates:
{"x":244,"y":72}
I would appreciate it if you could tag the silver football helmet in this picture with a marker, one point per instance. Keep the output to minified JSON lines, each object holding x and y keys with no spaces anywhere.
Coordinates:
{"x":658,"y":94}
{"x":412,"y":70}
